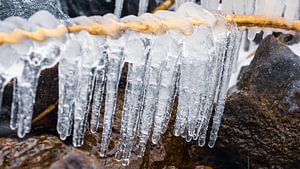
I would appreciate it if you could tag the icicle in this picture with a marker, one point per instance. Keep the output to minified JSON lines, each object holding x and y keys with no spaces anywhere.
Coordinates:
{"x":24,"y":51}
{"x":68,"y":85}
{"x":274,"y":8}
{"x":160,"y":89}
{"x":197,"y":12}
{"x":14,"y":106}
{"x":118,"y":7}
{"x":192,"y":79}
{"x":292,"y":9}
{"x":44,"y":55}
{"x":260,"y":6}
{"x":2,"y":85}
{"x":99,"y":79}
{"x":161,"y":110}
{"x":239,"y":38}
{"x":169,"y":76}
{"x":249,"y":7}
{"x":223,"y":85}
{"x":210,"y":4}
{"x":96,"y":76}
{"x":227,"y":6}
{"x":21,"y":51}
{"x":27,"y":85}
{"x":86,"y":68}
{"x":220,"y":39}
{"x":156,"y":56}
{"x":178,"y":3}
{"x":85,"y":83}
{"x":24,"y":90}
{"x":143,"y":6}
{"x":136,"y":54}
{"x":115,"y":54}
{"x":157,"y":62}
{"x":195,"y":63}
{"x":7,"y":55}
{"x":98,"y":94}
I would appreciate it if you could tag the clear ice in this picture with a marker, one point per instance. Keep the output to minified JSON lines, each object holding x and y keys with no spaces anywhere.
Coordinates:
{"x":118,"y":7}
{"x":136,"y":55}
{"x":34,"y":57}
{"x":115,"y":54}
{"x":192,"y":63}
{"x":143,"y":6}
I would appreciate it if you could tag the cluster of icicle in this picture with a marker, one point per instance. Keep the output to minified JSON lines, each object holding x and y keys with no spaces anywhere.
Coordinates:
{"x":196,"y":68}
{"x":289,"y":9}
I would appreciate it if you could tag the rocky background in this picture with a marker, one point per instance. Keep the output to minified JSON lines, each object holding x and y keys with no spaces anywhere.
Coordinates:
{"x":260,"y":126}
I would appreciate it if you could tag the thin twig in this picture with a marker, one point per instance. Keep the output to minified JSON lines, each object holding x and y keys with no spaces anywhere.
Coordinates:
{"x":48,"y":110}
{"x":113,"y":28}
{"x":264,"y":22}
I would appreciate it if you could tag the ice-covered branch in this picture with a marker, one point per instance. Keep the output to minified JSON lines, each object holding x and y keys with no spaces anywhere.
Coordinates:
{"x":112,"y":28}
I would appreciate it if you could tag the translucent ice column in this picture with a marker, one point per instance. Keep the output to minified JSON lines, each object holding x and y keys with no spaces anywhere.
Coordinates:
{"x":210,"y":4}
{"x":167,"y":84}
{"x":196,"y":68}
{"x":192,"y":83}
{"x":143,"y":6}
{"x":166,"y":91}
{"x":178,"y":3}
{"x":136,"y":54}
{"x":156,"y":61}
{"x":292,"y":9}
{"x":11,"y":64}
{"x":225,"y":75}
{"x":118,"y":7}
{"x":160,"y":86}
{"x":22,"y":51}
{"x":35,"y":56}
{"x":44,"y":55}
{"x":88,"y":63}
{"x":99,"y":79}
{"x":115,"y":48}
{"x":68,"y":85}
{"x":219,"y":32}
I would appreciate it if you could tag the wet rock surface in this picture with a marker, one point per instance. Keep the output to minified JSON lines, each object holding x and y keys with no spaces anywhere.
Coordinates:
{"x":33,"y":152}
{"x":27,"y":8}
{"x":262,"y":119}
{"x":260,"y":126}
{"x":76,"y":160}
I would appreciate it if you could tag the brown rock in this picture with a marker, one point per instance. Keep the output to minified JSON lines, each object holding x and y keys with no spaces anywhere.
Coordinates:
{"x":76,"y":160}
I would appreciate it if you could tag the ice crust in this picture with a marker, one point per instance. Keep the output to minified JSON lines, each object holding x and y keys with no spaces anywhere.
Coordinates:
{"x":194,"y":67}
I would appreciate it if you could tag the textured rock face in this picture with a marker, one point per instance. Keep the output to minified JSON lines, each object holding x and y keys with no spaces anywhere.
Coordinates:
{"x":38,"y":151}
{"x":76,"y":160}
{"x":26,"y":8}
{"x":262,"y":119}
{"x":260,"y":126}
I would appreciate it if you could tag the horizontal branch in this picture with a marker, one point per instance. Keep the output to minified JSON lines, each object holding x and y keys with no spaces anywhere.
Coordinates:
{"x":113,"y":28}
{"x":264,"y":22}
